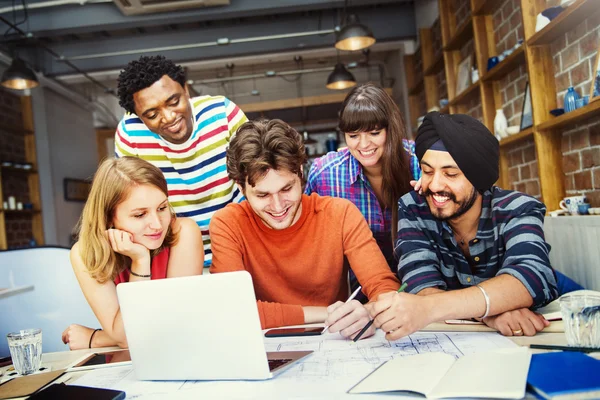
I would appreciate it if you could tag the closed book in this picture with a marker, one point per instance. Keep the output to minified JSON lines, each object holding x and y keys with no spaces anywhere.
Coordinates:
{"x":564,"y":375}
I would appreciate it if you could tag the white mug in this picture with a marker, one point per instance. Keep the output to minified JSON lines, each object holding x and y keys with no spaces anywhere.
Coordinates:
{"x":571,"y":203}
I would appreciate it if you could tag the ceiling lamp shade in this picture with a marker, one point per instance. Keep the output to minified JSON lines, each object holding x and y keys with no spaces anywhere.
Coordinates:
{"x":340,"y":78}
{"x":354,"y":36}
{"x":18,"y":76}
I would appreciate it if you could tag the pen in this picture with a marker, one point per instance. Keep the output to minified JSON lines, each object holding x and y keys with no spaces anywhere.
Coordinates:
{"x":352,"y":296}
{"x":564,"y":348}
{"x":367,"y":326}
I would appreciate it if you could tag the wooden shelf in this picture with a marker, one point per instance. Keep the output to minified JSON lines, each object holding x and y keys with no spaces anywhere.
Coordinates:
{"x":437,"y":66}
{"x":465,"y":94}
{"x":571,"y":118}
{"x":485,"y":7}
{"x":415,"y":90}
{"x":22,"y":170}
{"x":13,"y":130}
{"x":517,"y":137}
{"x":28,"y":212}
{"x":565,"y":22}
{"x":462,"y":35}
{"x":509,"y":64}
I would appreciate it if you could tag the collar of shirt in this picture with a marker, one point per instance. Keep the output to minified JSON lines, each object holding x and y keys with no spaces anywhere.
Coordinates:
{"x":354,"y":169}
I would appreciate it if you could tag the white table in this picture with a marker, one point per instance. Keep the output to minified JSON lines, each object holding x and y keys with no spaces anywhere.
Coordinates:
{"x":62,"y":360}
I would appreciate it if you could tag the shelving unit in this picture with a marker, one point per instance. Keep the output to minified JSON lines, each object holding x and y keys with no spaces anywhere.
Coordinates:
{"x":32,"y":176}
{"x":534,"y":53}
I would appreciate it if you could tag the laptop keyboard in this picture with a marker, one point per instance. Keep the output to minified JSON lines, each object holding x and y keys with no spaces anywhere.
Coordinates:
{"x":278,"y":362}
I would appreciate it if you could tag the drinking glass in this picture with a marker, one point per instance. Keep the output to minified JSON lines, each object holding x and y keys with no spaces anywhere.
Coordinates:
{"x":26,"y":350}
{"x":581,"y":316}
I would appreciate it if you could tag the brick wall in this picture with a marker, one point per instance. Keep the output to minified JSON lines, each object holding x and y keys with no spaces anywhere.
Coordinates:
{"x":581,"y":160}
{"x":442,"y":86}
{"x":574,"y":55}
{"x":418,"y":63}
{"x":508,"y":25}
{"x":463,"y":10}
{"x":436,"y":33}
{"x":523,"y":171}
{"x":12,"y":148}
{"x":512,"y":93}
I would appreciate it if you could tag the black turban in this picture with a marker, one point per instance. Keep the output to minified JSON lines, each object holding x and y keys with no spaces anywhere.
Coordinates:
{"x":473,"y":147}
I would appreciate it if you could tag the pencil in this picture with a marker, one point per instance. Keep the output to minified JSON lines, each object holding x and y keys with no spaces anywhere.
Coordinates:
{"x":564,"y":348}
{"x":367,"y":326}
{"x":352,"y":296}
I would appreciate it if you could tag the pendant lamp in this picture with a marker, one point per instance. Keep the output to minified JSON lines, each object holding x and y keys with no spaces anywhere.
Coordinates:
{"x":340,"y":78}
{"x":19,"y":76}
{"x":354,"y":36}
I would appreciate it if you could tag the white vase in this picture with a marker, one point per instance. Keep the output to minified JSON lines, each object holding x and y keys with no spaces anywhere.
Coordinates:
{"x":500,"y":124}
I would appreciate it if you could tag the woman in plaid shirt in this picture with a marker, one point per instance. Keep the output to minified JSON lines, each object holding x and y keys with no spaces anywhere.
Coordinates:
{"x":375,"y":170}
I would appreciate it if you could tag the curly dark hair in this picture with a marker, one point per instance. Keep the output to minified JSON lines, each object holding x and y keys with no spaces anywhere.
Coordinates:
{"x":259,"y":146}
{"x":142,"y":73}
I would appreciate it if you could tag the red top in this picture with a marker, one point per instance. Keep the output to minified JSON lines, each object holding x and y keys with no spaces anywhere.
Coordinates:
{"x":158,"y":268}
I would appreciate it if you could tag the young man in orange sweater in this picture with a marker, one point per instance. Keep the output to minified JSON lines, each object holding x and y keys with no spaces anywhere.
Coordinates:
{"x":292,"y":244}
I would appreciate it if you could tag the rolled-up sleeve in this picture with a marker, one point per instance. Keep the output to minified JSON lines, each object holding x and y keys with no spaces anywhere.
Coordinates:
{"x":527,"y":254}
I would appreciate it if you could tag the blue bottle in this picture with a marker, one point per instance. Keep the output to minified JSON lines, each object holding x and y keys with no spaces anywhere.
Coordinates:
{"x":570,"y":99}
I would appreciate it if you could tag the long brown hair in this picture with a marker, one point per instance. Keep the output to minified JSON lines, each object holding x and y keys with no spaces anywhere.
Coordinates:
{"x":367,"y":108}
{"x":112,"y":183}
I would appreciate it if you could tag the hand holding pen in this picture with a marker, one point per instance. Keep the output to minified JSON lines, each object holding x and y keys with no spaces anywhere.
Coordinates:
{"x":367,"y":326}
{"x":346,"y":318}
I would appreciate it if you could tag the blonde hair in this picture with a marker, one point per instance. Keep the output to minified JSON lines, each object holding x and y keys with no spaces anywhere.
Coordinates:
{"x":111,"y":185}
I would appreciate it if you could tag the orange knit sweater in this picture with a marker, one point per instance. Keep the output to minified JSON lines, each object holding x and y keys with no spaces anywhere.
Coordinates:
{"x":302,"y":265}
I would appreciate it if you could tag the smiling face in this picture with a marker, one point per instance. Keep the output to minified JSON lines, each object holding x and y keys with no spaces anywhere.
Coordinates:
{"x":145,"y":214}
{"x":276,"y":198}
{"x":165,"y":109}
{"x":447,"y":190}
{"x":367,"y":147}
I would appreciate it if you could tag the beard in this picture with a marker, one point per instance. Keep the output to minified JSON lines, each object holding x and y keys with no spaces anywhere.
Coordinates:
{"x":464,"y":206}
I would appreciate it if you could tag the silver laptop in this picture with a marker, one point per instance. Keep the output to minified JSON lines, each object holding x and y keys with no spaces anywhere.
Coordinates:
{"x":198,"y":328}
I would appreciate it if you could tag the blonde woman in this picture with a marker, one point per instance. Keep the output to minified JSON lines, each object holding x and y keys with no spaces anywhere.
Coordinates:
{"x":127,"y":233}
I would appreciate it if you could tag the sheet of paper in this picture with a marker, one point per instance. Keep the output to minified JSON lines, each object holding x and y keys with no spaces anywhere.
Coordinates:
{"x":336,"y":365}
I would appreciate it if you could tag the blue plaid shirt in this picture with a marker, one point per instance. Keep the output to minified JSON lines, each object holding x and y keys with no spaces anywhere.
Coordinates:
{"x":510,"y":240}
{"x":339,"y":174}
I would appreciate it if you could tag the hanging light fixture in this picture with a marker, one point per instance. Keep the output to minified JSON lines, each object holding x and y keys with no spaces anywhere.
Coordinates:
{"x":340,"y":78}
{"x":19,"y":76}
{"x":354,"y":35}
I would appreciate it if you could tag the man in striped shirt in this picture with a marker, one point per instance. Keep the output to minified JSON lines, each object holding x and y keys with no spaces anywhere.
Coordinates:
{"x":467,"y":249}
{"x":185,"y":137}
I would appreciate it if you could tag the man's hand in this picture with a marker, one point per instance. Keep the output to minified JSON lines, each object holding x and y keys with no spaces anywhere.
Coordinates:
{"x":400,"y":314}
{"x":348,"y":319}
{"x":77,"y":336}
{"x":518,"y":322}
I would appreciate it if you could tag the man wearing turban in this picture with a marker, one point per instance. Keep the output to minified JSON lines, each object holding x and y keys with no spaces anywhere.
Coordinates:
{"x":466,"y":248}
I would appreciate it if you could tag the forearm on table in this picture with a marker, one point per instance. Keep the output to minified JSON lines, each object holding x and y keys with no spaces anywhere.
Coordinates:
{"x":103,"y":339}
{"x":505,"y":293}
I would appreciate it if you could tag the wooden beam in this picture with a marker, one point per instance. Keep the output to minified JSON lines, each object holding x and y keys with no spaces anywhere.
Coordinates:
{"x":297,"y":102}
{"x":33,"y":179}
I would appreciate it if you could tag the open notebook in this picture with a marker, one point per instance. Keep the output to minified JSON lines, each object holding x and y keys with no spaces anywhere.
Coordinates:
{"x":499,"y":373}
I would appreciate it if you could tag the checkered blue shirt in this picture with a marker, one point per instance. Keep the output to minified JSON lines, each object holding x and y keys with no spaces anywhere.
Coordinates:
{"x":510,"y":240}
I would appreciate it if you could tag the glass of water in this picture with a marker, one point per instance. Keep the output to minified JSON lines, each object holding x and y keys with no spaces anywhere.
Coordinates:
{"x":26,"y":350}
{"x":581,"y":316}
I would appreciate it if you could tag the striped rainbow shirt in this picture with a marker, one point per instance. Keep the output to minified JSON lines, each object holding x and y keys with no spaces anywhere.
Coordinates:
{"x":195,"y":171}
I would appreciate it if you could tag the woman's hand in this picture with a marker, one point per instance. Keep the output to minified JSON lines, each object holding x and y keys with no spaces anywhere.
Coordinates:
{"x":122,"y":243}
{"x":417,"y":186}
{"x":77,"y":336}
